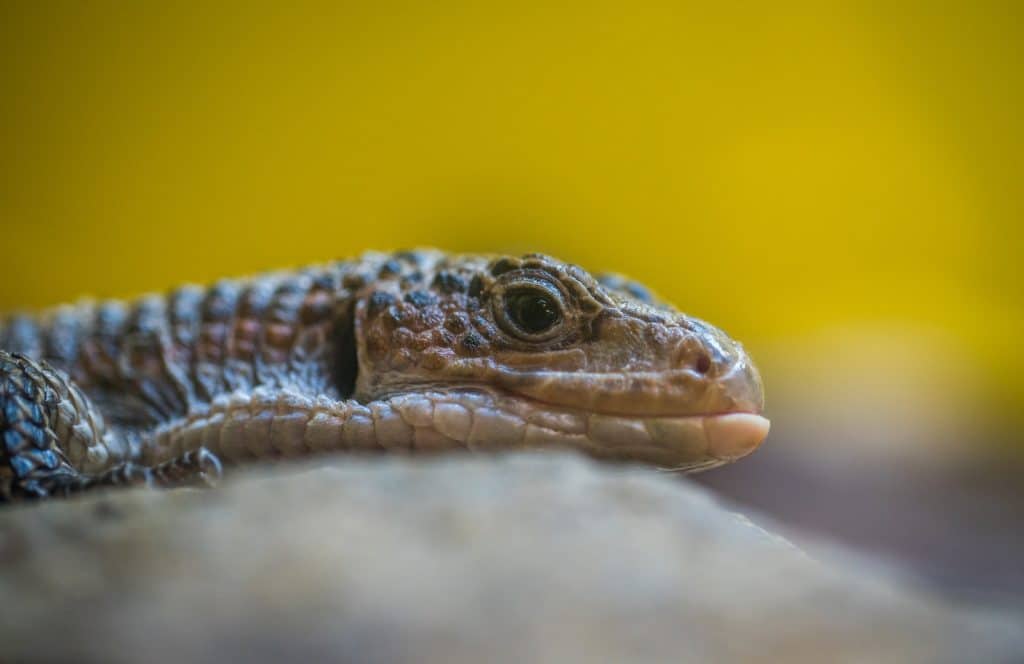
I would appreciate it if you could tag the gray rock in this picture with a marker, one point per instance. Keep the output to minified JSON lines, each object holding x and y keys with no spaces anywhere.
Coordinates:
{"x":525,"y":558}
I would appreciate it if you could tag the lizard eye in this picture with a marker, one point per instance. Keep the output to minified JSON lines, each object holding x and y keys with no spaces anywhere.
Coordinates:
{"x":530,"y":312}
{"x":533,"y":312}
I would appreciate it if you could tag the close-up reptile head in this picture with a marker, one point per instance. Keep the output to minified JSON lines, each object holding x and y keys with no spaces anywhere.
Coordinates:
{"x":538,"y":353}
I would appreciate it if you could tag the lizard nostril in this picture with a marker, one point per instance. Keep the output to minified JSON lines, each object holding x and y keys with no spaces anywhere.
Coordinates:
{"x":703,"y":364}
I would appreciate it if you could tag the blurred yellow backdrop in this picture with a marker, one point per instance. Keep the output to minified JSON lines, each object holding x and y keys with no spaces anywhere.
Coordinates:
{"x":779,"y":171}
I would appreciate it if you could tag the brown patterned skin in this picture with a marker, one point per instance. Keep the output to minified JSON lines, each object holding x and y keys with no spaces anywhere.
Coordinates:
{"x":414,"y":351}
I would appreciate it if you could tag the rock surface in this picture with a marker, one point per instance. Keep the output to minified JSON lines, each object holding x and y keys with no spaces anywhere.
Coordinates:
{"x":525,"y":558}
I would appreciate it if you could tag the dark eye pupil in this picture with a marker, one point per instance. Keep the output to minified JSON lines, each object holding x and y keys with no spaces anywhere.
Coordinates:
{"x":533,"y":312}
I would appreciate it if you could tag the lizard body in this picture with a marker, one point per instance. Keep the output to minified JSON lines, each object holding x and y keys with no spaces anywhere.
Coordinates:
{"x":408,"y":352}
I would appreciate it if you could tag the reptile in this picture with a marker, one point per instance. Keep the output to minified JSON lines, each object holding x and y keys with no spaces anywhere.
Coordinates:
{"x":408,"y":352}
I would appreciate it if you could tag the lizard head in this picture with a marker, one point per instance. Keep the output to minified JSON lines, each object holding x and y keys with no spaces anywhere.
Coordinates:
{"x":541,"y":354}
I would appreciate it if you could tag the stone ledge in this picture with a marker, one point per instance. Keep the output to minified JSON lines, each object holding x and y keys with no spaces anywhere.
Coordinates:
{"x":545,"y":558}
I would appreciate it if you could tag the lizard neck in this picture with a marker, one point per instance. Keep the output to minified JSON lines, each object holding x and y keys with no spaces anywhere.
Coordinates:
{"x":154,"y":358}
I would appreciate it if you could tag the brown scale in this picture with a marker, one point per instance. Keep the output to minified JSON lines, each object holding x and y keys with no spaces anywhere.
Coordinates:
{"x":96,"y":369}
{"x":183,"y":311}
{"x":242,"y":367}
{"x":322,"y":308}
{"x":281,"y":325}
{"x":145,"y":365}
{"x":217,"y":314}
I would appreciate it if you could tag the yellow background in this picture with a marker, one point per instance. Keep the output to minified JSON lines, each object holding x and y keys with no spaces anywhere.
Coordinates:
{"x":783,"y":171}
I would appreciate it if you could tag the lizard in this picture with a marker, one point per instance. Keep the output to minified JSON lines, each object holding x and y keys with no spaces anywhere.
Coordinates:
{"x":407,"y":352}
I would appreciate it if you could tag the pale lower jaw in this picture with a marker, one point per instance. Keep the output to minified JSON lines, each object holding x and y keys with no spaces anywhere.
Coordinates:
{"x":485,"y":420}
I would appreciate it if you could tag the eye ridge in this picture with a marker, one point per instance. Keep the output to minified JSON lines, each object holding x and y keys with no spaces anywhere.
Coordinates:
{"x":532,"y":310}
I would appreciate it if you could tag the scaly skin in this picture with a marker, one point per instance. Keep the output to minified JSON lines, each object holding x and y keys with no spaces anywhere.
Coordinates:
{"x":412,"y":352}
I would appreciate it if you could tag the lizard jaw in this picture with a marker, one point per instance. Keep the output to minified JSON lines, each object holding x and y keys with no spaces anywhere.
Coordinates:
{"x":481,"y":419}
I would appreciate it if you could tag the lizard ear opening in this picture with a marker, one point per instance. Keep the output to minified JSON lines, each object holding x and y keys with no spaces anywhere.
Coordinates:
{"x":346,"y":362}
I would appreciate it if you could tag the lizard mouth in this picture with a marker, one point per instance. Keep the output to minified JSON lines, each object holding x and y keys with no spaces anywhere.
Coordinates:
{"x":484,"y":419}
{"x":677,"y":420}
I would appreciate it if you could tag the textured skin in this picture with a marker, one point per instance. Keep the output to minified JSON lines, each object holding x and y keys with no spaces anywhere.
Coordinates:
{"x":413,"y":351}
